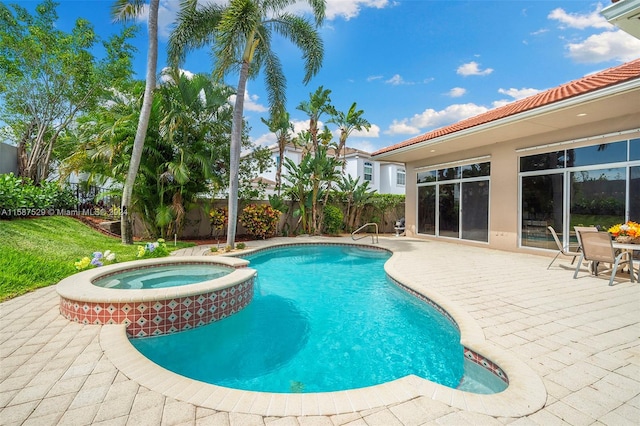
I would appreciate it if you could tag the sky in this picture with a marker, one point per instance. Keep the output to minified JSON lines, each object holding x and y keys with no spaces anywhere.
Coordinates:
{"x":412,"y":66}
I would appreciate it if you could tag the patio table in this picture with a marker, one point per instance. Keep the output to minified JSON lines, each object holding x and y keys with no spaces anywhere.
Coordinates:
{"x":628,"y":247}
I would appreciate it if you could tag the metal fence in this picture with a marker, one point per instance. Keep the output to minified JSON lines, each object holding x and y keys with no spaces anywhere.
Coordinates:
{"x":96,"y":201}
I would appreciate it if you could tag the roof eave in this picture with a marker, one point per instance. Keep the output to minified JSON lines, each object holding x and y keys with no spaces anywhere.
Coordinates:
{"x":505,"y":121}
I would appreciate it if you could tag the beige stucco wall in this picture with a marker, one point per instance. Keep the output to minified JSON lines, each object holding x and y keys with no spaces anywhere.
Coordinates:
{"x":504,"y":157}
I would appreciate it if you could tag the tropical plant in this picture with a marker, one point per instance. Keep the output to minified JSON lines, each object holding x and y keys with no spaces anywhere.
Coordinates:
{"x":218,"y":219}
{"x":241,"y":35}
{"x":355,"y":196}
{"x":308,"y":183}
{"x":297,"y":187}
{"x":347,"y":124}
{"x":318,"y":104}
{"x":48,"y":77}
{"x":384,"y":205}
{"x":126,"y":10}
{"x":333,"y":219}
{"x":260,"y":220}
{"x":280,"y":125}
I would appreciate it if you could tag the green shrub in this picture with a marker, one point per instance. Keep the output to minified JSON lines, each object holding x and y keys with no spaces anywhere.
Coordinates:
{"x":240,"y":246}
{"x":332,"y":219}
{"x":260,"y":220}
{"x":20,"y":197}
{"x":11,"y":194}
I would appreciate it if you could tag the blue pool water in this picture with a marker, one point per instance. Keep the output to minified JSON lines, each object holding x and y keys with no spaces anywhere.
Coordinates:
{"x":323,"y":318}
{"x":162,"y":276}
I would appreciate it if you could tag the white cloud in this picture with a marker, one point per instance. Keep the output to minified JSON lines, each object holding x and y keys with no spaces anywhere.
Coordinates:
{"x":362,"y":145}
{"x":518,"y":93}
{"x":348,"y":9}
{"x":473,"y":68}
{"x":580,"y":21}
{"x":374,"y":77}
{"x":266,"y":139}
{"x":431,"y":119}
{"x":165,"y":76}
{"x":250,"y":102}
{"x":540,"y":31}
{"x":606,"y":46}
{"x":373,"y":132}
{"x":402,"y":127}
{"x":345,"y":9}
{"x":456,"y":92}
{"x":397,"y":80}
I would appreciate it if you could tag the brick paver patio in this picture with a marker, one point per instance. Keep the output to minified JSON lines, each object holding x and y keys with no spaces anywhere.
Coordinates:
{"x":581,"y":337}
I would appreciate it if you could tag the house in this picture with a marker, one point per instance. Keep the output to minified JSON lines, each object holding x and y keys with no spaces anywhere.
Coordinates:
{"x":384,"y":176}
{"x":564,"y":157}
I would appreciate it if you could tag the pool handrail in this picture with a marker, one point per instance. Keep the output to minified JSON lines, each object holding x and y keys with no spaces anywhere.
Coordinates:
{"x":374,"y":237}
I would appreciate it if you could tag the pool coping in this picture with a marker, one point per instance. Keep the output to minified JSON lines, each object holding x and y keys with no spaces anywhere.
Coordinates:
{"x":525,"y":394}
{"x":79,"y":286}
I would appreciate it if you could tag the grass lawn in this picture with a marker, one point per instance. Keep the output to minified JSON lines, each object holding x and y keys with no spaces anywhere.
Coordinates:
{"x":40,"y":252}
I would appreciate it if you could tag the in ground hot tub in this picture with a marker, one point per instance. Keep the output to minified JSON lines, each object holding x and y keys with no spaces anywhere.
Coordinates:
{"x":218,"y":287}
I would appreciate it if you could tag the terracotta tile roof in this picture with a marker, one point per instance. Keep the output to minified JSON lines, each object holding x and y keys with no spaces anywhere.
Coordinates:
{"x":609,"y":77}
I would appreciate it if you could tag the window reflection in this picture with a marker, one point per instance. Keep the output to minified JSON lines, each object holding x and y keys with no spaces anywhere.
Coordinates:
{"x":449,"y":174}
{"x":449,"y":219}
{"x":597,"y":154}
{"x":424,"y":177}
{"x":427,"y":210}
{"x":634,"y":149}
{"x":547,"y":161}
{"x":476,"y":170}
{"x":542,"y":198}
{"x":634,"y":193}
{"x":598,"y":197}
{"x":475,"y":208}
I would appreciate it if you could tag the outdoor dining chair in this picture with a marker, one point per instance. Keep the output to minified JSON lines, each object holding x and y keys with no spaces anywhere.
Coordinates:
{"x":564,"y":250}
{"x":597,"y":247}
{"x":581,"y":230}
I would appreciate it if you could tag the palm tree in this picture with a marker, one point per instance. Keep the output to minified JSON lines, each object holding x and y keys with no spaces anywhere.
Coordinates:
{"x":240,"y":34}
{"x":280,"y":125}
{"x":319,"y":103}
{"x":124,"y":10}
{"x":347,"y":123}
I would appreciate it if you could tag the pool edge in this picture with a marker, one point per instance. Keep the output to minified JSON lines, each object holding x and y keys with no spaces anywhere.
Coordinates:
{"x":525,"y":394}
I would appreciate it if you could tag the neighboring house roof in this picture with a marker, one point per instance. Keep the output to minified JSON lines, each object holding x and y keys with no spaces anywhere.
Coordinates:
{"x":591,"y":83}
{"x":264,"y":180}
{"x":347,"y":152}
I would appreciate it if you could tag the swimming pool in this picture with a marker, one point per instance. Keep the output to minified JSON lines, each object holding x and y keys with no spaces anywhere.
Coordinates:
{"x":323,"y":318}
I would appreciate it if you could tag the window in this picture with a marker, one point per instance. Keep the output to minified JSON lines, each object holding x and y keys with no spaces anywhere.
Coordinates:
{"x":401,"y":177}
{"x":368,"y":171}
{"x":591,"y":185}
{"x":454,"y":202}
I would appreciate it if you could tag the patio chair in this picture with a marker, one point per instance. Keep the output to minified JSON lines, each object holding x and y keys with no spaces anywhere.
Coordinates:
{"x":581,"y":230}
{"x":564,"y":250}
{"x":597,"y":247}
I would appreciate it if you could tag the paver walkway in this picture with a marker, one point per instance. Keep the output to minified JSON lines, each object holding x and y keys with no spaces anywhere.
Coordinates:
{"x":581,"y":336}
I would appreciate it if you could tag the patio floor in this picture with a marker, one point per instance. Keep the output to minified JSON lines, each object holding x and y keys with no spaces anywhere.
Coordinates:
{"x":581,"y":337}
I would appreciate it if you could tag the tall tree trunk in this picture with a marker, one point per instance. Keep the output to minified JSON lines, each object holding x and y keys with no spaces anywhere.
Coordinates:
{"x":234,"y":158}
{"x":126,"y":226}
